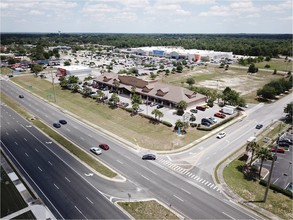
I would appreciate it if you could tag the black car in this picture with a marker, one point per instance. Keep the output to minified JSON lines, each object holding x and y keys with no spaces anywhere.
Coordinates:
{"x":160,"y":106}
{"x":258,"y":126}
{"x":205,"y":123}
{"x":283,"y":144}
{"x":56,"y":125}
{"x":21,"y":96}
{"x":149,"y":157}
{"x":63,"y":122}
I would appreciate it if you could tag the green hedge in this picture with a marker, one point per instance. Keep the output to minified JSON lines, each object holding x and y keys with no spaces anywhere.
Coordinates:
{"x":277,"y":188}
{"x":155,"y":120}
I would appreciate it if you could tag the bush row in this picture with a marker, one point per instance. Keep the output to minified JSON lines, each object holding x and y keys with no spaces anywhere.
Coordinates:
{"x":277,"y":188}
{"x":168,"y":124}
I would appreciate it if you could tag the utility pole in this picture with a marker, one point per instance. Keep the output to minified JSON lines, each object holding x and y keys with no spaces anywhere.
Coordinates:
{"x":53,"y":85}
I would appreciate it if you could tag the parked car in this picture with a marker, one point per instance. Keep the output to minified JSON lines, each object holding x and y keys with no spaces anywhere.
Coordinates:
{"x":213,"y":119}
{"x":221,"y":135}
{"x":96,"y":150}
{"x":286,"y":140}
{"x":153,"y":104}
{"x":21,"y":96}
{"x":283,"y":144}
{"x":206,"y":123}
{"x":56,"y":125}
{"x":62,"y":122}
{"x":219,"y":115}
{"x":193,"y":110}
{"x":279,"y":150}
{"x":149,"y":157}
{"x":202,"y":108}
{"x":104,"y":146}
{"x":160,"y":106}
{"x":258,"y":126}
{"x":207,"y":120}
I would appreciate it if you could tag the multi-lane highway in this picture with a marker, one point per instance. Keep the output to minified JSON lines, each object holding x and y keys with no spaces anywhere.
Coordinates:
{"x":145,"y":179}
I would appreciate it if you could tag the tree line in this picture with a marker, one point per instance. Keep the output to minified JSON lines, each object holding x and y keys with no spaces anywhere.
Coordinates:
{"x":270,"y":45}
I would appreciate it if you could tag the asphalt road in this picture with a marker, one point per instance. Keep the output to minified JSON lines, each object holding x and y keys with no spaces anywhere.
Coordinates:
{"x":150,"y":177}
{"x":68,"y":194}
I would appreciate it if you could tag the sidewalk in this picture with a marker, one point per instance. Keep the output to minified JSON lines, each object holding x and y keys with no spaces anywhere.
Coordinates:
{"x":36,"y":206}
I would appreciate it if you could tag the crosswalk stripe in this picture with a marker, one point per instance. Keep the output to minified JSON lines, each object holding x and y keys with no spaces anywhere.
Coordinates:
{"x":190,"y":174}
{"x":209,"y":184}
{"x":193,"y":176}
{"x":203,"y":181}
{"x":206,"y":182}
{"x":215,"y":187}
{"x":198,"y":178}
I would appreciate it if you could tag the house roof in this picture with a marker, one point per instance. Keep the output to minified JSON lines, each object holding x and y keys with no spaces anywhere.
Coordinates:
{"x":154,"y":89}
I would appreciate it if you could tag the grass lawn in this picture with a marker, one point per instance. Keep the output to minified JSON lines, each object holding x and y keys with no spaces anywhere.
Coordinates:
{"x":147,"y":210}
{"x":252,"y":191}
{"x":9,"y":194}
{"x":278,"y":64}
{"x":117,"y":121}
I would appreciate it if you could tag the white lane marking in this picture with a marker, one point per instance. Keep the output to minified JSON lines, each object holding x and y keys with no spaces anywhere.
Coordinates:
{"x":206,"y":182}
{"x":190,"y":174}
{"x":185,"y":191}
{"x":275,"y":180}
{"x":40,"y":169}
{"x":13,"y":118}
{"x":150,"y":171}
{"x":145,"y":177}
{"x":56,"y":186}
{"x":15,"y":130}
{"x":67,"y":179}
{"x":46,"y":116}
{"x":28,"y":126}
{"x":15,"y":142}
{"x":7,"y":133}
{"x":209,"y":184}
{"x":36,"y":149}
{"x":81,"y":138}
{"x":90,"y":135}
{"x":68,"y":129}
{"x":50,"y":163}
{"x":119,"y":161}
{"x":215,"y":186}
{"x":26,"y":154}
{"x":90,"y":174}
{"x":178,"y":198}
{"x":48,"y":142}
{"x":193,"y":176}
{"x":89,"y":200}
{"x":169,"y":158}
{"x":228,"y":215}
{"x":25,"y":139}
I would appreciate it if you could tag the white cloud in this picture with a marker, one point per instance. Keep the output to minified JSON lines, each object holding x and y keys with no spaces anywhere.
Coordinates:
{"x":278,"y":7}
{"x":36,"y":12}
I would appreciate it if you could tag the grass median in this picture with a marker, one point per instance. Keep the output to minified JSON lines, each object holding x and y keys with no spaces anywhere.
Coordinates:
{"x":75,"y":150}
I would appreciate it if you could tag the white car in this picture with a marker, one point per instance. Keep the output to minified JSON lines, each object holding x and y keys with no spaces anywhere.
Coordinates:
{"x":213,"y":119}
{"x":96,"y":150}
{"x":221,"y":135}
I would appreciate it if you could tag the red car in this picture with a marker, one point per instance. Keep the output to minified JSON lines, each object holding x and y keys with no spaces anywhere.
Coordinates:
{"x":219,"y":115}
{"x":202,"y":108}
{"x":104,"y":146}
{"x":279,"y":150}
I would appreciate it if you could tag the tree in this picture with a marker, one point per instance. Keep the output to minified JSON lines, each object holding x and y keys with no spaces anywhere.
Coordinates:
{"x":289,"y":109}
{"x":252,"y":68}
{"x":135,"y":106}
{"x":190,"y":81}
{"x":264,"y":154}
{"x":36,"y":68}
{"x":153,"y":76}
{"x":136,"y":99}
{"x":253,"y":147}
{"x":115,"y":99}
{"x":116,"y":83}
{"x":157,"y":113}
{"x":87,"y":91}
{"x":100,"y":95}
{"x":275,"y":72}
{"x":66,"y":63}
{"x":179,"y":68}
{"x":267,"y":92}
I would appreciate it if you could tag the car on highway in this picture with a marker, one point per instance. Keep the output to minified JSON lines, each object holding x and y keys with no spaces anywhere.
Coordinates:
{"x":21,"y":96}
{"x":149,"y":157}
{"x":63,"y":122}
{"x":96,"y":150}
{"x":193,"y":110}
{"x":279,"y":150}
{"x":221,"y":135}
{"x":258,"y":126}
{"x":219,"y":115}
{"x":56,"y":125}
{"x":104,"y":146}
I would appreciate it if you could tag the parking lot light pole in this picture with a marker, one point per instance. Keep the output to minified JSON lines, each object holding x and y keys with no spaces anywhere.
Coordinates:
{"x":269,"y":180}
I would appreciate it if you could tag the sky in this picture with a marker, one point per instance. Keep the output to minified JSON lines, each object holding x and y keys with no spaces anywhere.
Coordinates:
{"x":147,"y":16}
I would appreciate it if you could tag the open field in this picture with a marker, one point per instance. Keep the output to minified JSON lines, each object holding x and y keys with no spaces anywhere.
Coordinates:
{"x":117,"y":121}
{"x":236,"y":77}
{"x":147,"y":210}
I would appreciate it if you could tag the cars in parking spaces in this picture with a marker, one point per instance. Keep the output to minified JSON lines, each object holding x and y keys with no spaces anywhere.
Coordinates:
{"x":193,"y":110}
{"x":219,"y":115}
{"x":149,"y":157}
{"x":221,"y":135}
{"x":279,"y":150}
{"x":258,"y":126}
{"x":104,"y":146}
{"x":96,"y":150}
{"x":21,"y":96}
{"x":213,"y":119}
{"x":160,"y":106}
{"x":63,"y":122}
{"x":56,"y":125}
{"x":283,"y":144}
{"x":153,"y":104}
{"x":202,"y":108}
{"x":205,"y":123}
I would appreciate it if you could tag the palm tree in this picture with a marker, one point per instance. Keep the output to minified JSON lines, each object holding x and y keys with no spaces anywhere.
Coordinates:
{"x":264,"y":154}
{"x":181,"y":106}
{"x":157,"y":113}
{"x":253,"y":147}
{"x":100,"y":95}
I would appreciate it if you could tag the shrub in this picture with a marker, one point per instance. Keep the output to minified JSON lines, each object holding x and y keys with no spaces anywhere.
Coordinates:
{"x":277,"y":189}
{"x":167,"y":123}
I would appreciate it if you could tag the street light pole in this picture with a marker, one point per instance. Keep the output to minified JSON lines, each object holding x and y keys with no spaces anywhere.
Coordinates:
{"x":53,"y":85}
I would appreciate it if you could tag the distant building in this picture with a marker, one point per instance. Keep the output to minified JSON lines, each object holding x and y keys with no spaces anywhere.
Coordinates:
{"x":154,"y":91}
{"x":73,"y":71}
